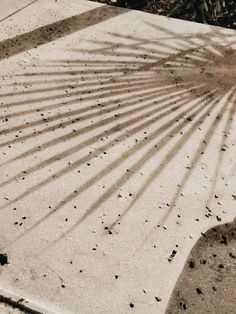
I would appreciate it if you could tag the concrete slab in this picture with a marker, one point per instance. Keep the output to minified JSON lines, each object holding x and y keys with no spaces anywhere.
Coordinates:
{"x":8,"y":8}
{"x":117,"y":152}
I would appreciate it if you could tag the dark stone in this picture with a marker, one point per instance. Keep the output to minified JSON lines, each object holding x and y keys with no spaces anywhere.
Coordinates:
{"x":3,"y":259}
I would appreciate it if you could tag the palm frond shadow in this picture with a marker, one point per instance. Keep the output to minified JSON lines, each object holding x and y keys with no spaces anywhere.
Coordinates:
{"x":145,"y":84}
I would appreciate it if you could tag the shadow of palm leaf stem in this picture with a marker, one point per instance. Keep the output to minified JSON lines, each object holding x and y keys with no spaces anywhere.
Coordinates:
{"x":111,"y":124}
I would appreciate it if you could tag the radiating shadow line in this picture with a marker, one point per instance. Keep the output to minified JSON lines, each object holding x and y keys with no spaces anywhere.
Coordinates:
{"x":141,"y":52}
{"x":150,"y":96}
{"x":92,"y":63}
{"x":95,"y":65}
{"x":85,"y":130}
{"x":67,"y":114}
{"x":95,"y":81}
{"x":56,"y":30}
{"x":157,"y":62}
{"x":99,"y":86}
{"x":83,"y":72}
{"x":195,"y":159}
{"x":150,"y":67}
{"x":172,"y":56}
{"x":198,"y":154}
{"x":137,"y":166}
{"x":68,"y":168}
{"x":75,"y":101}
{"x":123,"y":54}
{"x":119,"y":160}
{"x":127,"y":154}
{"x":212,"y":46}
{"x":157,"y":39}
{"x":173,"y":35}
{"x":138,"y":47}
{"x":56,"y":97}
{"x":186,"y":39}
{"x":125,"y":102}
{"x":167,"y":159}
{"x":222,"y":147}
{"x":107,"y":132}
{"x":24,"y":102}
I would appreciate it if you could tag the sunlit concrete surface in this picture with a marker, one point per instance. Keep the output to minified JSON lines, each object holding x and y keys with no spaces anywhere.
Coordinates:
{"x":117,"y":151}
{"x":9,"y":8}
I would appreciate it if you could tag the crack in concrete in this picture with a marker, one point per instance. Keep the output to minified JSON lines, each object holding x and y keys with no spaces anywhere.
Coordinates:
{"x":27,"y":5}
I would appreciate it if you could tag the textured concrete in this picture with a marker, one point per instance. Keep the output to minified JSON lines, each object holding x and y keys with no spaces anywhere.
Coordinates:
{"x":117,"y":150}
{"x":8,"y":8}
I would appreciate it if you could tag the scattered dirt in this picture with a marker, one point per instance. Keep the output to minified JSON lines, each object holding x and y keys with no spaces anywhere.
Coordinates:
{"x":3,"y":259}
{"x":208,"y":281}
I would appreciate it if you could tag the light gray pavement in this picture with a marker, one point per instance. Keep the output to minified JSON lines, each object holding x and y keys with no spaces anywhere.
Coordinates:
{"x":117,"y":138}
{"x":9,"y":8}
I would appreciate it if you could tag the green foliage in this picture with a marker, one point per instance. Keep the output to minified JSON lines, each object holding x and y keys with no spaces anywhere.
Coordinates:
{"x":217,"y":12}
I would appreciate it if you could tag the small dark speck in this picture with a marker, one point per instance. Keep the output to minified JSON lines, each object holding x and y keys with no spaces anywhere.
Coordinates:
{"x":116,"y":276}
{"x":3,"y":259}
{"x":221,"y":266}
{"x":199,"y":291}
{"x":218,"y":218}
{"x":157,"y":299}
{"x":63,"y":286}
{"x":191,"y":264}
{"x":183,"y":305}
{"x":224,"y":240}
{"x":131,"y":305}
{"x":172,"y":255}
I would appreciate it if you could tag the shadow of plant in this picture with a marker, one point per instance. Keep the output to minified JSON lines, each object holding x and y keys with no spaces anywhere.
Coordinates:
{"x":143,"y":100}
